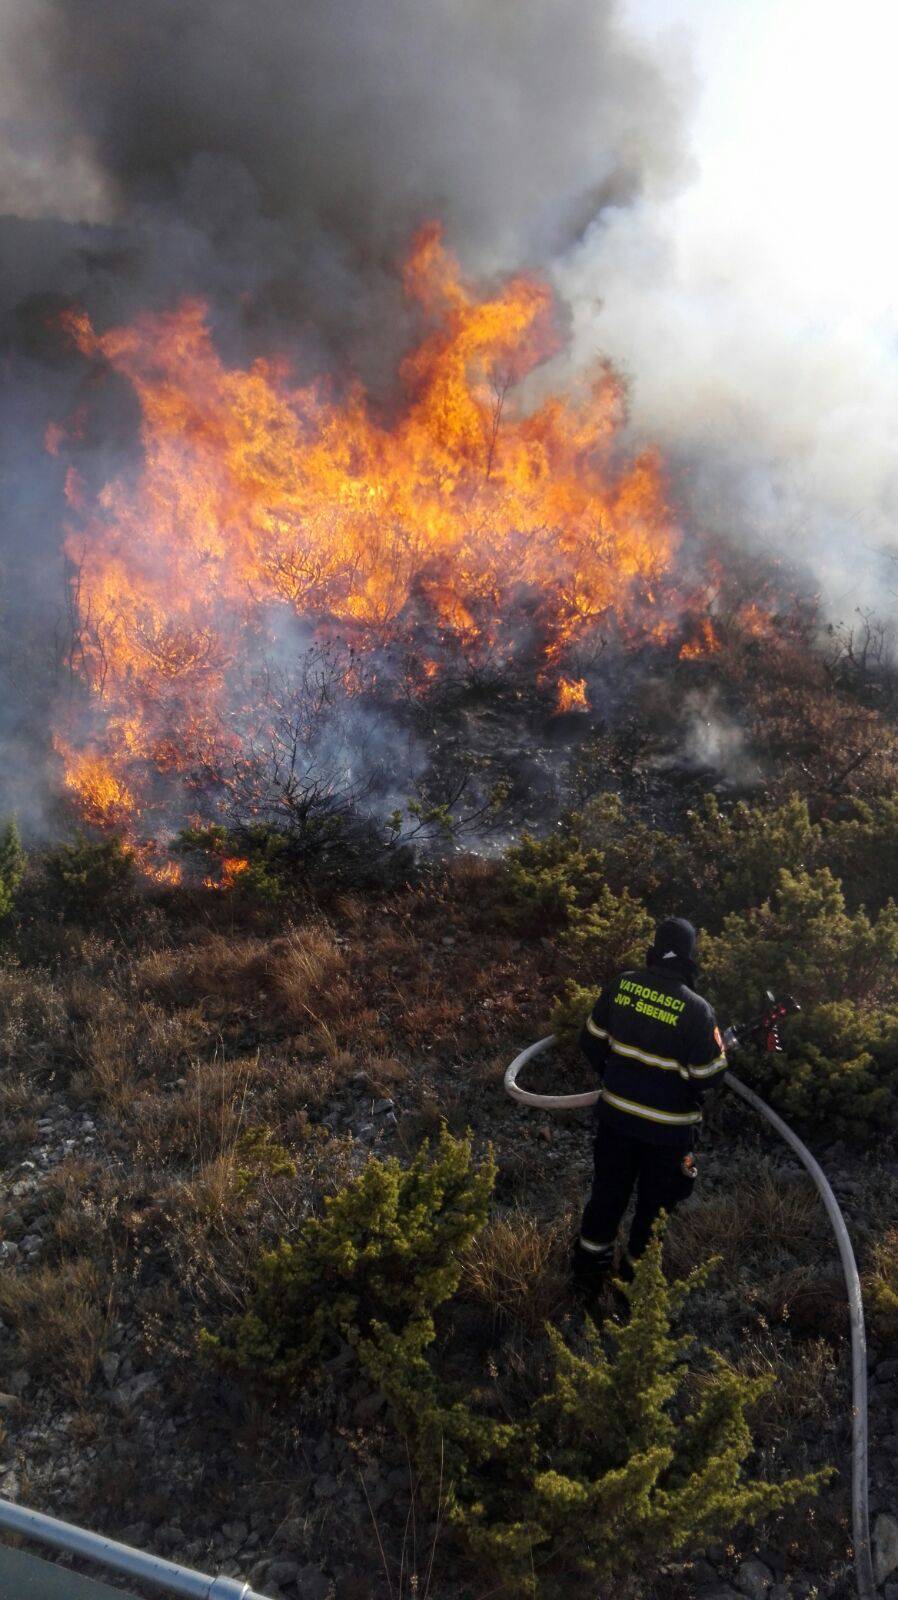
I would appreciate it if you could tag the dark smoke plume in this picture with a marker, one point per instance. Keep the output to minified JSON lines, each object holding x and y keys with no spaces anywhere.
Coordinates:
{"x":295,"y":146}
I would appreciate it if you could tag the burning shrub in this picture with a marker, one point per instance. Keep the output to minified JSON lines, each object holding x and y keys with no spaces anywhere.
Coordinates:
{"x":323,"y":846}
{"x":12,"y":867}
{"x":383,"y":1256}
{"x":839,"y":1070}
{"x":88,"y":879}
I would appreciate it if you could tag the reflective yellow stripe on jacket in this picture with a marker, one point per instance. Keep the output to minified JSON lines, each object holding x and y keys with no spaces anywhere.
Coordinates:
{"x":649,"y":1112}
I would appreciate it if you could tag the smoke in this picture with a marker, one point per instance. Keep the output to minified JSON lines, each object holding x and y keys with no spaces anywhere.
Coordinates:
{"x":286,"y":150}
{"x":755,"y":311}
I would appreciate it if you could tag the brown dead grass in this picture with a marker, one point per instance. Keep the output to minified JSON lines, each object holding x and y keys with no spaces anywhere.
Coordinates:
{"x":298,"y":977}
{"x":516,"y":1269}
{"x":122,"y":1041}
{"x":742,"y":1221}
{"x":60,"y":1315}
{"x":33,"y":1017}
{"x":806,"y":1385}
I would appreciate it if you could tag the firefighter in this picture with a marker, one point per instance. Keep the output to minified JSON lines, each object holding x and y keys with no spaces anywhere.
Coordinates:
{"x":657,"y":1048}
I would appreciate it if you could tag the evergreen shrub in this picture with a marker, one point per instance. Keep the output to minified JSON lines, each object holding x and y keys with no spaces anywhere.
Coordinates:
{"x":12,"y":866}
{"x":627,"y":1456}
{"x":88,"y":878}
{"x":840,"y":1067}
{"x":623,"y":1461}
{"x":385,"y":1253}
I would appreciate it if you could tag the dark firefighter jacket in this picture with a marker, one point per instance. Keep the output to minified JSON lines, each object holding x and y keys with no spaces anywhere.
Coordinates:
{"x":657,"y":1048}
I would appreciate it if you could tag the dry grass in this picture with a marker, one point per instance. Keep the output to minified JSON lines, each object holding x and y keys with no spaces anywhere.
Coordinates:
{"x":806,"y":1385}
{"x":741,"y":1222}
{"x":33,"y":1017}
{"x":60,"y":1315}
{"x":299,"y":977}
{"x":517,"y":1269}
{"x":121,"y":1042}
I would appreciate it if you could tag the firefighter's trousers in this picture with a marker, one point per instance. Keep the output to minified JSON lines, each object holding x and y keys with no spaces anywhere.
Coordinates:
{"x":661,"y":1177}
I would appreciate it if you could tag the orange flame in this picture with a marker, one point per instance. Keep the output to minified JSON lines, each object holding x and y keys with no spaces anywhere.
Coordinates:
{"x":704,"y":642}
{"x":255,"y":496}
{"x":572,"y":695}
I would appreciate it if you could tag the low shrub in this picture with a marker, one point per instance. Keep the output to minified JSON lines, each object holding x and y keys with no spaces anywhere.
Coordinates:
{"x":841,"y":1063}
{"x":89,"y":879}
{"x":12,"y":866}
{"x":620,"y":1456}
{"x":620,"y":1463}
{"x":734,"y":857}
{"x":384,"y":1254}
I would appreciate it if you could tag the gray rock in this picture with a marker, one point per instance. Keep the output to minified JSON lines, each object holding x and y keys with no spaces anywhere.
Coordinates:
{"x":282,"y":1571}
{"x":110,"y":1363}
{"x":9,"y":1485}
{"x":774,"y":1559}
{"x":380,"y":1106}
{"x":19,"y":1381}
{"x":885,"y":1547}
{"x":754,"y":1579}
{"x":891,"y":1591}
{"x":703,"y":1573}
{"x":779,"y":1592}
{"x":9,"y":1404}
{"x":128,"y":1395}
{"x":721,"y":1592}
{"x":291,"y":1534}
{"x":326,"y":1487}
{"x":887,"y":1370}
{"x":312,"y":1584}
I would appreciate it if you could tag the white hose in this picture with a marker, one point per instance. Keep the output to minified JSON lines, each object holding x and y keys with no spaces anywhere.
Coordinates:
{"x":863,"y":1564}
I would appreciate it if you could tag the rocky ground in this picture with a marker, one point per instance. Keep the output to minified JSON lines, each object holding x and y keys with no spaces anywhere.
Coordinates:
{"x":299,"y":1504}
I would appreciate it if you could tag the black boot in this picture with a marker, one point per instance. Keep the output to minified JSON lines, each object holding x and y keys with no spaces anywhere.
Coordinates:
{"x":591,"y":1268}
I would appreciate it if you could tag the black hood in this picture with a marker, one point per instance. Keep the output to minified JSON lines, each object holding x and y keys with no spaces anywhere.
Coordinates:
{"x":674,"y":949}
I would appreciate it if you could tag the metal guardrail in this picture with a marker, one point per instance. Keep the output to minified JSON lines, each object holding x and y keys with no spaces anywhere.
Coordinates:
{"x":166,"y":1575}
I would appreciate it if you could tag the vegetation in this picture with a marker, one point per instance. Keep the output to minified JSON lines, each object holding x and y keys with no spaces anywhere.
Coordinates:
{"x":232,"y":1055}
{"x":381,"y":1259}
{"x":12,"y":866}
{"x":89,"y":878}
{"x":619,"y":1462}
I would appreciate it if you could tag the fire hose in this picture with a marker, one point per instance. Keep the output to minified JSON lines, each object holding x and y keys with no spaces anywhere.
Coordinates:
{"x":860,"y":1519}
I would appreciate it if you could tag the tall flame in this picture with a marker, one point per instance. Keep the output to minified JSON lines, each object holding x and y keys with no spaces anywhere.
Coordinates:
{"x":256,"y":498}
